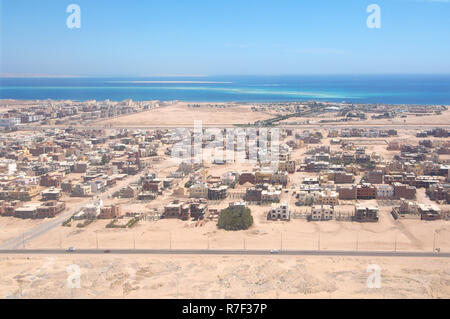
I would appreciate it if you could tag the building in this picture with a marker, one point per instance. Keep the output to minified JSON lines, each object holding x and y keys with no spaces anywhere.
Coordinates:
{"x":343,"y":178}
{"x":404,"y":191}
{"x":247,"y":177}
{"x":279,"y":212}
{"x":271,"y":195}
{"x":51,"y":194}
{"x":50,"y":209}
{"x":321,"y":212}
{"x":366,"y":213}
{"x":280,"y":178}
{"x":366,"y":191}
{"x":198,"y":208}
{"x":385,"y":191}
{"x":198,"y":190}
{"x":110,"y":212}
{"x":287,"y":166}
{"x":27,"y":211}
{"x":374,"y":177}
{"x":177,"y":209}
{"x":263,"y":176}
{"x":328,"y":197}
{"x":253,"y":194}
{"x":429,"y":212}
{"x":82,"y":190}
{"x":217,"y":193}
{"x":347,"y":192}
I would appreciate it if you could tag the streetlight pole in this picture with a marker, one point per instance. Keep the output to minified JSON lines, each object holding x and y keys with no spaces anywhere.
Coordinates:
{"x":281,"y":241}
{"x":395,"y":244}
{"x":357,"y":239}
{"x":318,"y":243}
{"x":434,"y":241}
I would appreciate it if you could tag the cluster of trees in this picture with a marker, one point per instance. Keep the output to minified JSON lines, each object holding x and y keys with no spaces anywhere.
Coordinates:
{"x":235,"y":218}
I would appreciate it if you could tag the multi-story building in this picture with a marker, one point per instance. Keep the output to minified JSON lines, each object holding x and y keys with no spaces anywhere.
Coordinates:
{"x":374,"y":177}
{"x":217,"y":193}
{"x":253,"y":194}
{"x":198,"y":190}
{"x":366,"y":213}
{"x":366,"y":191}
{"x":343,"y":178}
{"x":347,"y":193}
{"x":321,"y":212}
{"x":329,"y":197}
{"x":177,"y":209}
{"x":110,"y":212}
{"x":279,"y":212}
{"x":385,"y":191}
{"x":404,"y":191}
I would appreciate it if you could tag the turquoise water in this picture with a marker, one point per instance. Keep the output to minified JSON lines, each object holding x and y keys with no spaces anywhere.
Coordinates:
{"x":391,"y":89}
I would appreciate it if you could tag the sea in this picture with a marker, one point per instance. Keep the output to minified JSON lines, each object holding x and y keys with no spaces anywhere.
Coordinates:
{"x":386,"y":89}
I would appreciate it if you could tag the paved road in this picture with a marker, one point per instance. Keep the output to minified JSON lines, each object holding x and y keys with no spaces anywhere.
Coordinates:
{"x":225,"y":252}
{"x":37,"y":231}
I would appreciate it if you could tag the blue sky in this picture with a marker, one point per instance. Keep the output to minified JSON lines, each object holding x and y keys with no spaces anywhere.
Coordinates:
{"x":212,"y":37}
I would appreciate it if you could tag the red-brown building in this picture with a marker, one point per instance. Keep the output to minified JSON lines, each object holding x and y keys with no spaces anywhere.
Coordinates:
{"x":366,"y":191}
{"x":404,"y":191}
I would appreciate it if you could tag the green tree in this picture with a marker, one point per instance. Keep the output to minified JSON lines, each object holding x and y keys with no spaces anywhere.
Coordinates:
{"x":235,"y":218}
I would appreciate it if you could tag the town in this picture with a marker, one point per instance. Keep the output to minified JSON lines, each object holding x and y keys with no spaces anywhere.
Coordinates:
{"x":129,"y":178}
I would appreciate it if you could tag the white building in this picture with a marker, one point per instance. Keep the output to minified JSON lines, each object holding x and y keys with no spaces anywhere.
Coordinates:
{"x":198,"y":190}
{"x":385,"y":191}
{"x":279,"y":212}
{"x":322,"y":212}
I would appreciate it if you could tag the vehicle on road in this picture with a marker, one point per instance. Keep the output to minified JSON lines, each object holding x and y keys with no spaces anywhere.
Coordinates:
{"x":70,"y":249}
{"x":274,"y":251}
{"x":107,"y":251}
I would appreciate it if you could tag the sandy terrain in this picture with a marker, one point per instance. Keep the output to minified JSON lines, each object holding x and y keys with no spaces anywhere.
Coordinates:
{"x":181,"y":114}
{"x":411,"y":119}
{"x":387,"y":234}
{"x":222,"y":277}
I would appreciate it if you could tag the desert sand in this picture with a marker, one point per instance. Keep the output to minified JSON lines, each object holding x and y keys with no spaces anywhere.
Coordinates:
{"x":181,"y":114}
{"x":196,"y":277}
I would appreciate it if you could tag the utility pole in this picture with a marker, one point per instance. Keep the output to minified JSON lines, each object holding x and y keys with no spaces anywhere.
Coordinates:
{"x":434,"y":241}
{"x":281,"y":241}
{"x":244,"y":244}
{"x":357,"y":239}
{"x":395,"y":244}
{"x":318,"y":243}
{"x":96,"y":240}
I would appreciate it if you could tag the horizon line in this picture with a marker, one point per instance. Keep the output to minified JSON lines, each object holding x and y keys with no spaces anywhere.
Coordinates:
{"x":61,"y":76}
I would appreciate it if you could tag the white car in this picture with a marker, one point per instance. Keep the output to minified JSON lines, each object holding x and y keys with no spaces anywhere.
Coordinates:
{"x":70,"y":249}
{"x":274,"y":251}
